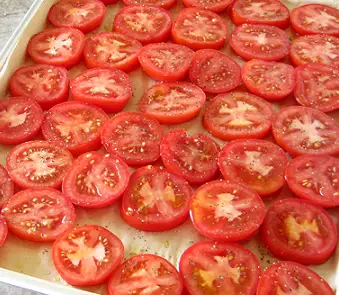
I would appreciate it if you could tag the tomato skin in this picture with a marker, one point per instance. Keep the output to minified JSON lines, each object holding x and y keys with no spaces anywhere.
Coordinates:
{"x":6,"y":186}
{"x":3,"y":230}
{"x":217,"y":7}
{"x":109,"y":2}
{"x":165,"y":4}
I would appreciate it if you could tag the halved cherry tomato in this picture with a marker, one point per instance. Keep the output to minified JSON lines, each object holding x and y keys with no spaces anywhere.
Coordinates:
{"x":146,"y":23}
{"x":3,"y":230}
{"x":210,"y":267}
{"x":211,"y":5}
{"x":39,"y":214}
{"x":214,"y":71}
{"x":96,"y":180}
{"x":258,"y":164}
{"x":199,"y":28}
{"x":20,"y":119}
{"x":48,"y":85}
{"x":166,"y":61}
{"x":267,"y":12}
{"x":315,"y":19}
{"x":85,"y":15}
{"x":134,"y":137}
{"x":75,"y":126}
{"x":317,"y":86}
{"x":260,"y":41}
{"x":172,"y":103}
{"x":237,"y":115}
{"x":156,"y":200}
{"x":268,"y":79}
{"x":57,"y":47}
{"x":112,"y":50}
{"x":165,"y":4}
{"x":109,"y":89}
{"x":322,"y":49}
{"x":192,"y":157}
{"x":87,"y":255}
{"x":6,"y":186}
{"x":306,"y":131}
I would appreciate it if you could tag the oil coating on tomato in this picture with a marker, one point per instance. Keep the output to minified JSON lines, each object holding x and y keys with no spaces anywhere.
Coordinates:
{"x":166,"y":4}
{"x":216,"y":6}
{"x":6,"y":186}
{"x":3,"y":230}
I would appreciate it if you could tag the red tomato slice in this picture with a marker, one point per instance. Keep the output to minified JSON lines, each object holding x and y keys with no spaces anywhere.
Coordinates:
{"x":210,"y":267}
{"x":166,"y":61}
{"x":38,"y":164}
{"x":315,"y":178}
{"x":75,"y":126}
{"x":172,"y":103}
{"x":192,"y":157}
{"x":199,"y":28}
{"x":287,"y":277}
{"x":211,"y":5}
{"x":226,"y":211}
{"x":306,"y":131}
{"x":156,"y":200}
{"x":214,"y":71}
{"x":57,"y":47}
{"x":109,"y":2}
{"x":39,"y":214}
{"x":87,"y":255}
{"x":145,"y":275}
{"x":20,"y":119}
{"x":109,"y":89}
{"x":299,"y":231}
{"x":237,"y":115}
{"x":317,"y":86}
{"x":268,"y":79}
{"x":134,"y":137}
{"x":146,"y":23}
{"x":6,"y":186}
{"x":85,"y":15}
{"x":258,"y":164}
{"x":112,"y":50}
{"x":260,"y":41}
{"x":48,"y":85}
{"x":165,"y":4}
{"x":266,"y":12}
{"x":96,"y":180}
{"x":3,"y":230}
{"x":322,"y":49}
{"x":315,"y":19}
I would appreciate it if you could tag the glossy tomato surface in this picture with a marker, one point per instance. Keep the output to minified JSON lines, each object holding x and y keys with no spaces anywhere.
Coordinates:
{"x":211,"y":5}
{"x":3,"y":230}
{"x":6,"y":186}
{"x":166,"y":4}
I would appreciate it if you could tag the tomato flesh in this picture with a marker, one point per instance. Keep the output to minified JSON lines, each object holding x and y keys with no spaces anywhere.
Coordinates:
{"x":6,"y":186}
{"x":165,"y":4}
{"x":216,"y":6}
{"x":3,"y":230}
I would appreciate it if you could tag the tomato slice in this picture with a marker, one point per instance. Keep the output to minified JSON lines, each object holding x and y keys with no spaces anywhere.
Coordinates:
{"x":48,"y":85}
{"x":146,"y":23}
{"x":165,"y":4}
{"x":6,"y":186}
{"x":237,"y":115}
{"x":85,"y":15}
{"x":306,"y":131}
{"x":315,"y":19}
{"x":134,"y":137}
{"x":156,"y":200}
{"x":87,"y":255}
{"x":166,"y":61}
{"x":172,"y":103}
{"x":210,"y":267}
{"x":317,"y":86}
{"x":3,"y":230}
{"x":39,"y":214}
{"x":211,"y":5}
{"x":264,"y":42}
{"x":20,"y":119}
{"x":214,"y":71}
{"x":109,"y":89}
{"x":199,"y":28}
{"x":96,"y":180}
{"x":266,"y":12}
{"x":192,"y":157}
{"x":109,"y":2}
{"x":258,"y":164}
{"x":75,"y":126}
{"x":145,"y":274}
{"x":268,"y":79}
{"x":57,"y":47}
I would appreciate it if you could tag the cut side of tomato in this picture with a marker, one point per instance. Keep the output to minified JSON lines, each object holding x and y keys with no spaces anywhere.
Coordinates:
{"x":216,"y":6}
{"x":3,"y":230}
{"x":146,"y":274}
{"x":306,"y":131}
{"x":165,"y":4}
{"x":210,"y":267}
{"x":6,"y":186}
{"x":258,"y":164}
{"x":199,"y":28}
{"x":87,"y":255}
{"x":238,"y":115}
{"x":20,"y":120}
{"x":39,"y":214}
{"x":299,"y":231}
{"x":172,"y":103}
